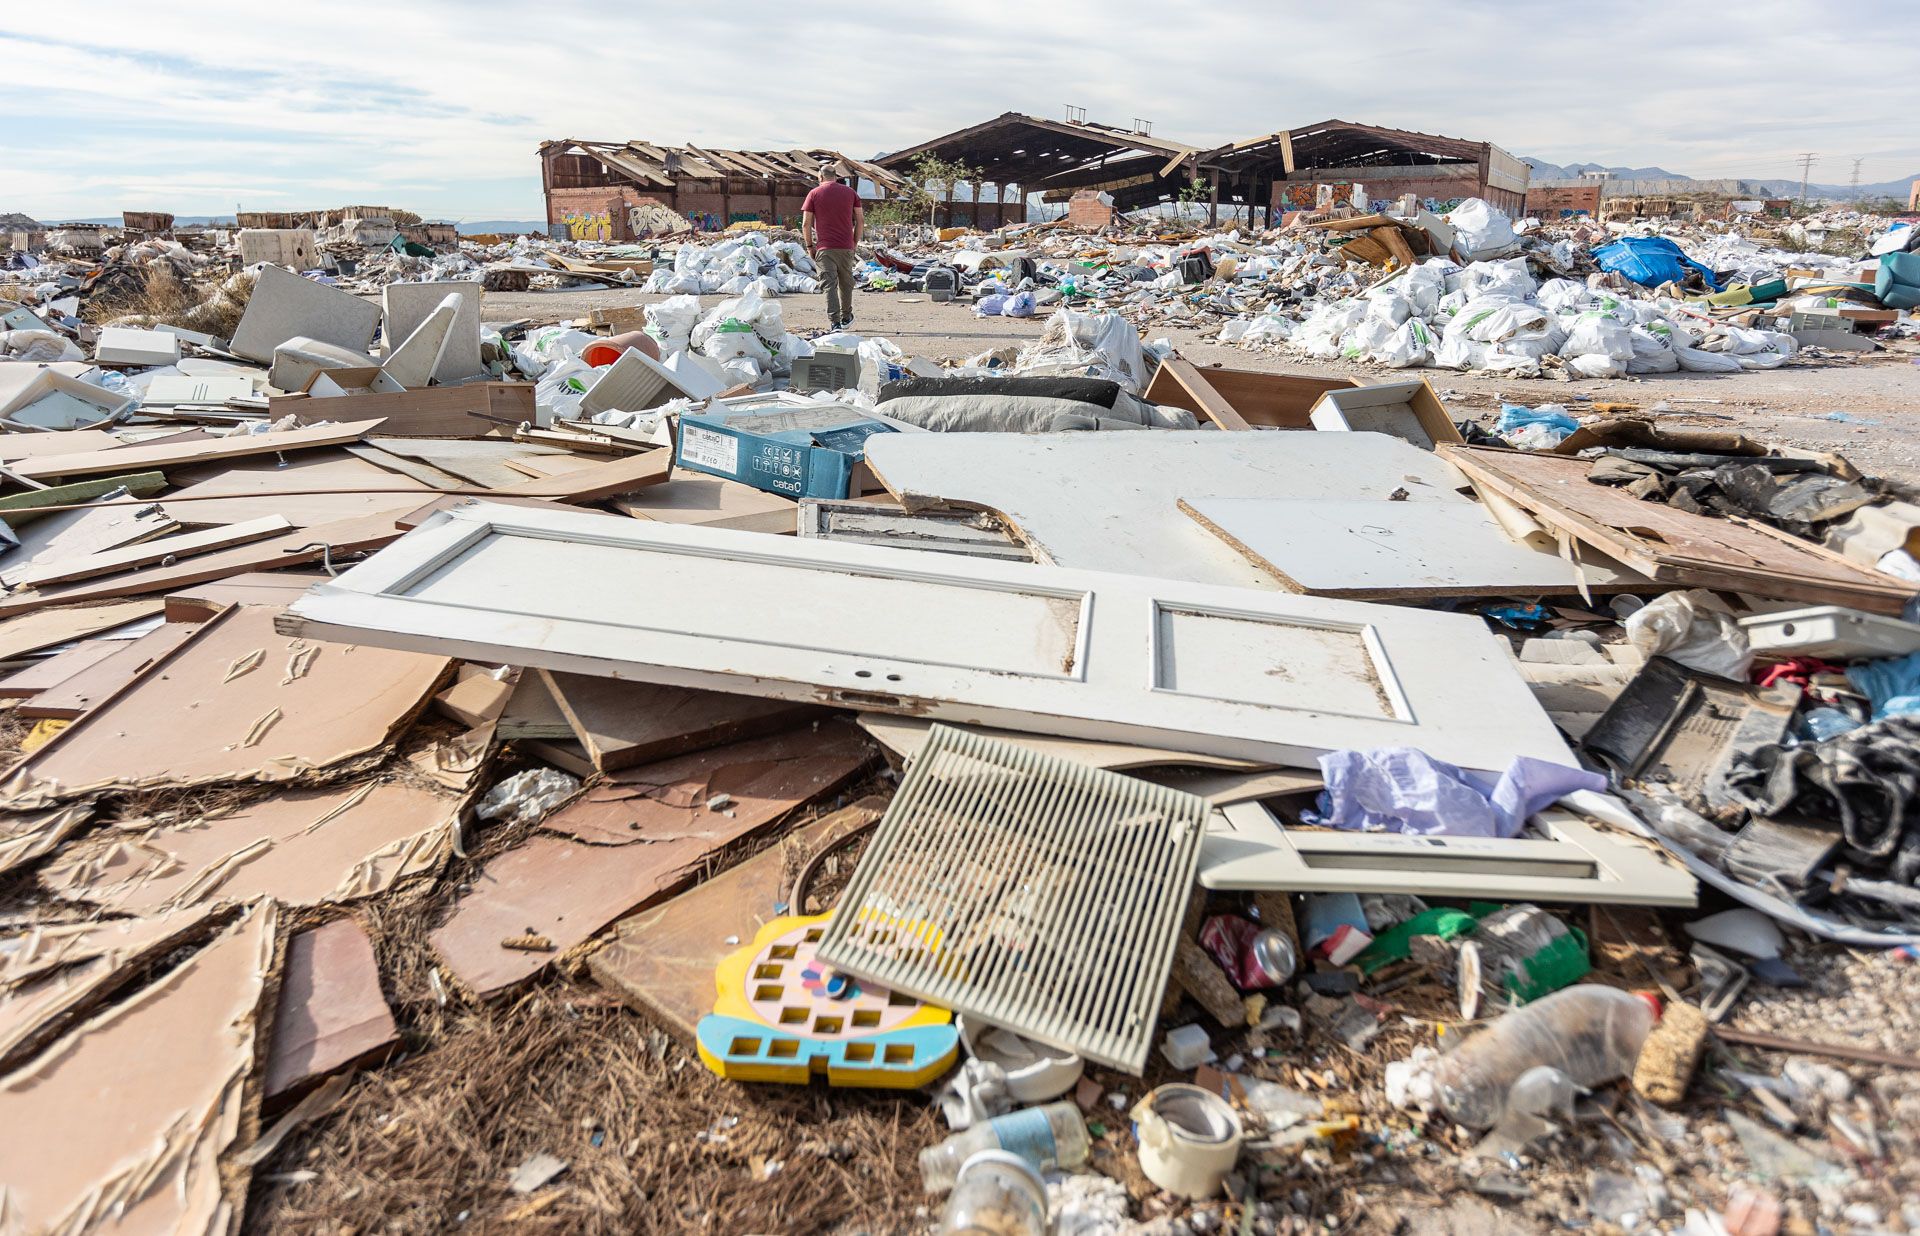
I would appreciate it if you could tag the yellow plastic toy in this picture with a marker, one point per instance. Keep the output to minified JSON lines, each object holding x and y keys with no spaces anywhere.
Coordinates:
{"x":783,"y":1015}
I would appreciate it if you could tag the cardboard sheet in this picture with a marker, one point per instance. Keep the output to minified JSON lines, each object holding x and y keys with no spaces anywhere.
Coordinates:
{"x":176,"y":1060}
{"x":642,"y":833}
{"x":32,"y":632}
{"x":331,"y":1013}
{"x":238,"y":702}
{"x":302,"y":848}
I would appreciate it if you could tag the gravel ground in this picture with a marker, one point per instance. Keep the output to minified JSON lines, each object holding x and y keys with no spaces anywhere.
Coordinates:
{"x":1789,"y":405}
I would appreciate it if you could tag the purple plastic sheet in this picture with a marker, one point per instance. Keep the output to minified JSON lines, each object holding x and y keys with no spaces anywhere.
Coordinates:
{"x":1405,"y":790}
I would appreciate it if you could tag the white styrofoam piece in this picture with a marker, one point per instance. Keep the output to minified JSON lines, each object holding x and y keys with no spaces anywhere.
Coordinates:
{"x":1567,"y":859}
{"x":407,"y":305}
{"x":124,"y":345}
{"x":1110,"y":501}
{"x":1832,"y":633}
{"x":1224,"y":671}
{"x":297,"y":360}
{"x":418,"y":358}
{"x":285,"y":305}
{"x":1370,"y":548}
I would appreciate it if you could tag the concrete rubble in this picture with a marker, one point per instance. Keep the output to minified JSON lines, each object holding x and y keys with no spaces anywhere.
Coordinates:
{"x":729,"y":711}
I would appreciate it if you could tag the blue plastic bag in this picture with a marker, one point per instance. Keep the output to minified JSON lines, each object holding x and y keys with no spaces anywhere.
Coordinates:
{"x":1650,"y":261}
{"x":1890,"y":684}
{"x":1405,"y":790}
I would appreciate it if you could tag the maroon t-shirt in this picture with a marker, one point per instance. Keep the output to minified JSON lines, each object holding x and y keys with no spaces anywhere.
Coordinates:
{"x":832,"y":206}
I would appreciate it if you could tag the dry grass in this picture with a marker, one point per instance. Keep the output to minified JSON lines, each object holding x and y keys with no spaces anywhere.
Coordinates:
{"x":157,"y":296}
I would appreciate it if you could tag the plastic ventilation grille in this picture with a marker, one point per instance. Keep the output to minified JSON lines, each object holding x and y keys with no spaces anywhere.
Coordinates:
{"x":1027,"y":891}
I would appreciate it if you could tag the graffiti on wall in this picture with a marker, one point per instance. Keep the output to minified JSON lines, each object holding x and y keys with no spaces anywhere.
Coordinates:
{"x":588,"y":225}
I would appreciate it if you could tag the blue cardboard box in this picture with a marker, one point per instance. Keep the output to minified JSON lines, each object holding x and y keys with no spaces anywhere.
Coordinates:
{"x":804,"y":450}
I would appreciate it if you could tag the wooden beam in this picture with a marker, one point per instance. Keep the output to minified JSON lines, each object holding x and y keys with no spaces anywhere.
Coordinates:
{"x":1212,"y":404}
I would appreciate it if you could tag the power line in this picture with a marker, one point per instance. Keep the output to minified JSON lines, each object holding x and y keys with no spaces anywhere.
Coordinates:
{"x":1855,"y":193}
{"x":1806,"y":166}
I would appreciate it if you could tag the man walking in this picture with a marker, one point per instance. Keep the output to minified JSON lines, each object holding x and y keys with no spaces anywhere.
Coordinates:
{"x":831,"y":220}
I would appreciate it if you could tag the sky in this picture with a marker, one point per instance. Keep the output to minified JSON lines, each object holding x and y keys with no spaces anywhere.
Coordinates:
{"x":439,"y":106}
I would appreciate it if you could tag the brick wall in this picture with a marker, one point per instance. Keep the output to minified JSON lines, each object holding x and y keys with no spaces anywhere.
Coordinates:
{"x":1558,"y":201}
{"x":1086,"y":210}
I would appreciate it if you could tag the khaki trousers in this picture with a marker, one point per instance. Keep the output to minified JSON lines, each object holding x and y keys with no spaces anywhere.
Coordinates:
{"x":836,"y":272}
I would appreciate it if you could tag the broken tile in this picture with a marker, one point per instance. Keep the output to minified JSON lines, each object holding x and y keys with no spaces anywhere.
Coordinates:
{"x":624,"y":842}
{"x":331,"y":1014}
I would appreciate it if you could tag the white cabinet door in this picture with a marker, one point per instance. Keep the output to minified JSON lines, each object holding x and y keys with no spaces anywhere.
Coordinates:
{"x":1226,"y":671}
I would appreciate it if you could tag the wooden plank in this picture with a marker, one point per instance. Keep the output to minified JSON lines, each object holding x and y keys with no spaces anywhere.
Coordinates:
{"x":139,"y":484}
{"x":551,"y":465}
{"x":331,"y":1013}
{"x":74,"y":695}
{"x":481,"y":462}
{"x":642,"y":834}
{"x":1373,"y":550}
{"x":469,"y":410}
{"x":32,"y":632}
{"x":714,"y":501}
{"x":60,"y":442}
{"x":312,"y":487}
{"x":297,"y":548}
{"x":56,"y":669}
{"x":1015,"y":645}
{"x":199,"y":602}
{"x":1671,"y":546}
{"x":1211,"y":404}
{"x":601,"y":480}
{"x":87,"y":463}
{"x":65,"y":535}
{"x":661,"y":961}
{"x":146,"y":553}
{"x":1394,"y":241}
{"x":1273,"y":400}
{"x":621,"y":723}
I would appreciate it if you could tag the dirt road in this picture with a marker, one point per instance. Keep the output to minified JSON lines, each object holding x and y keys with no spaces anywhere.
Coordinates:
{"x":1878,"y":397}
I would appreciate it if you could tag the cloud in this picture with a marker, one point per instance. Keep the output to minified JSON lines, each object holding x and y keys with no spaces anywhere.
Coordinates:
{"x":439,"y":106}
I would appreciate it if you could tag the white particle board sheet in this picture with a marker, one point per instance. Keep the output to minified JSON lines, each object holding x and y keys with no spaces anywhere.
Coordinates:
{"x":125,"y":345}
{"x":1110,"y":501}
{"x":407,"y":305}
{"x":1122,"y":658}
{"x":1378,"y":550}
{"x":284,"y":305}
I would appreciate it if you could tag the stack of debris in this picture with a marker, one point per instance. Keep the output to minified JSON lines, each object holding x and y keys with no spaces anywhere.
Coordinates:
{"x":595,"y":732}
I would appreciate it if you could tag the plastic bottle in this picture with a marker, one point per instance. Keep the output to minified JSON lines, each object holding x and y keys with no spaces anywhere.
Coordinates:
{"x":1592,"y":1034}
{"x":998,"y":1194}
{"x":1050,"y":1136}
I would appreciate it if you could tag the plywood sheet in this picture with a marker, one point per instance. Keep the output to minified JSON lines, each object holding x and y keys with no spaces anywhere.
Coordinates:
{"x":532,"y":712}
{"x":661,"y":960}
{"x":475,"y":463}
{"x":313,"y":487}
{"x":128,"y":659}
{"x":465,"y":411}
{"x":621,"y":723}
{"x":625,"y":842}
{"x":1671,"y":546}
{"x":51,"y":974}
{"x":1261,"y":676}
{"x":32,"y":632}
{"x":237,"y":702}
{"x":302,"y":848}
{"x":599,"y":480}
{"x":1373,"y":550}
{"x":1109,"y":501}
{"x":139,"y":458}
{"x":198,"y":602}
{"x":147,"y":553}
{"x":61,"y":442}
{"x":331,"y":1013}
{"x":713,"y":501}
{"x":66,"y":535}
{"x":552,"y":465}
{"x":177,"y":1061}
{"x":1272,"y":400}
{"x":56,"y":669}
{"x":343,"y":537}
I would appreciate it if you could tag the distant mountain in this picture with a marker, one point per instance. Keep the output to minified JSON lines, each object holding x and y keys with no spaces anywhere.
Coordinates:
{"x":1897,"y":188}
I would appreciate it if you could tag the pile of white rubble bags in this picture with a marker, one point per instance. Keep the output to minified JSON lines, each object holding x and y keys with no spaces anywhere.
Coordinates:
{"x":736,"y":265}
{"x":1492,"y":314}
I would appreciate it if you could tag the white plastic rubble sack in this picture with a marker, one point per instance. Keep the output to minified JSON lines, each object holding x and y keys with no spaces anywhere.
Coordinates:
{"x":1459,"y":352}
{"x":1366,"y":338}
{"x":1695,"y":629}
{"x":1478,"y":228}
{"x":548,"y":346}
{"x":1425,"y":284}
{"x":1597,"y":346}
{"x":1407,"y":347}
{"x":748,"y":325}
{"x":1388,"y":303}
{"x":670,"y":323}
{"x":1695,"y":360}
{"x":1563,"y":295}
{"x":1652,"y":349}
{"x":557,"y":395}
{"x":1321,"y":333}
{"x":1235,"y":330}
{"x":1269,"y":328}
{"x":1504,"y":278}
{"x":1019,"y":305}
